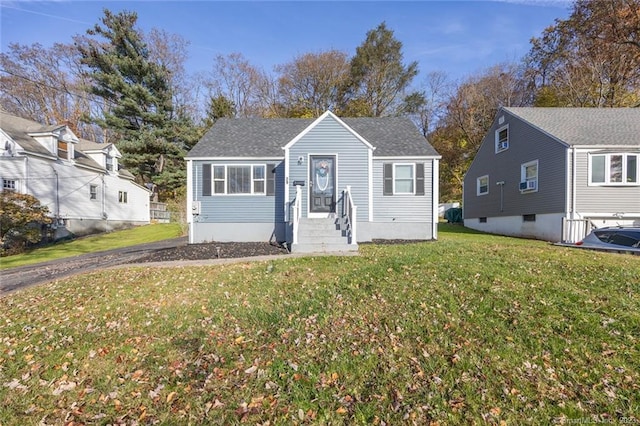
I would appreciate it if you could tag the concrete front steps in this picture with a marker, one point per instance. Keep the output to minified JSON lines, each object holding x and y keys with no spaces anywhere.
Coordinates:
{"x":322,"y":236}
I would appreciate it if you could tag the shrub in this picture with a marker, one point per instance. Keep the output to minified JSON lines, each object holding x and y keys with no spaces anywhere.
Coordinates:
{"x":22,"y":218}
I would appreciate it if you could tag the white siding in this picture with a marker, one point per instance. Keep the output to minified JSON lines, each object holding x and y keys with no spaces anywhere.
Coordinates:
{"x":65,"y":189}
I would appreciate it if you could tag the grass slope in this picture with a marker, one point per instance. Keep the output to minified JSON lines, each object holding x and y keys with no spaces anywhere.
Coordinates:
{"x":95,"y":243}
{"x":472,"y":329}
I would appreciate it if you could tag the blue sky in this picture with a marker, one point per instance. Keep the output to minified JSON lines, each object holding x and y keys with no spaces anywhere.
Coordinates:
{"x":457,"y":37}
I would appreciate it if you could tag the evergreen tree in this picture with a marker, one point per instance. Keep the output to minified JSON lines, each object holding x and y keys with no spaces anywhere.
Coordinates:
{"x":138,"y":97}
{"x":378,"y":78}
{"x":218,"y":107}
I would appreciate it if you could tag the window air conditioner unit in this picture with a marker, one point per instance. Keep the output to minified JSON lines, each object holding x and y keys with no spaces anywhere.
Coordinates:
{"x":503,"y":145}
{"x":528,"y":185}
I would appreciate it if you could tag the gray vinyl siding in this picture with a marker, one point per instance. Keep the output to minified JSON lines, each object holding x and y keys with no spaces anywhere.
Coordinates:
{"x":602,"y":199}
{"x":330,"y":138}
{"x":402,"y":208}
{"x":240,"y":208}
{"x":526,"y":144}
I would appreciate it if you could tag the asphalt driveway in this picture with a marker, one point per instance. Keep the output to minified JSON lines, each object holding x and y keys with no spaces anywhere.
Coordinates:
{"x":25,"y":276}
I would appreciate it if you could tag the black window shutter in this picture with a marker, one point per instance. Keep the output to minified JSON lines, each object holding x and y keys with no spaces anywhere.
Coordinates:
{"x":419,"y":178}
{"x":271,"y":179}
{"x":388,"y":179}
{"x":206,"y":179}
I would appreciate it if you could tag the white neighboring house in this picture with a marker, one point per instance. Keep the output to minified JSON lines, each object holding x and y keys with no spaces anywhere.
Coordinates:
{"x":78,"y":180}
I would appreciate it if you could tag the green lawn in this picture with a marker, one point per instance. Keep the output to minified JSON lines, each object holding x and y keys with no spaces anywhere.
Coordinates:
{"x":95,"y":243}
{"x":471,"y":329}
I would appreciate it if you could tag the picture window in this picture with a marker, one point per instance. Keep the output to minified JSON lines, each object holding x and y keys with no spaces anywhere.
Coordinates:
{"x":236,"y":179}
{"x":614,"y":169}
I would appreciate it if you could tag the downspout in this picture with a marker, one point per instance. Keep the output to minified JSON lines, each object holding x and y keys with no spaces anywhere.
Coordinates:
{"x":190,"y":195}
{"x":103,"y":191}
{"x":26,"y":175}
{"x":55,"y":172}
{"x":435,"y":182}
{"x":574,"y":191}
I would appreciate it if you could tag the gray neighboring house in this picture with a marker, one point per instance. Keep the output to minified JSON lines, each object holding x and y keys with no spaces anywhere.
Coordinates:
{"x":317,"y":185}
{"x":555,"y":173}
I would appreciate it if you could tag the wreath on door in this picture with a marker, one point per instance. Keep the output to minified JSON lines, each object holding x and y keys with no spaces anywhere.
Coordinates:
{"x":322,"y":175}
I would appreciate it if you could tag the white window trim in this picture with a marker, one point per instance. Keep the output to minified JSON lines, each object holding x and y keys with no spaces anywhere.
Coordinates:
{"x":16,"y":185}
{"x":110,"y":161}
{"x":499,"y":149}
{"x":91,"y":193}
{"x":226,"y":179}
{"x":413,"y":173}
{"x":607,"y":169}
{"x":478,"y":193}
{"x":123,"y":197}
{"x":523,"y":176}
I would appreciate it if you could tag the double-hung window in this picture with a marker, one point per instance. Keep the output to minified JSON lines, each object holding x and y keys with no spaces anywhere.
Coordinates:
{"x":234,"y":179}
{"x":614,"y":169}
{"x":529,"y":176}
{"x":482,"y":185}
{"x":403,"y":179}
{"x":502,"y":139}
{"x":93,"y":192}
{"x":63,"y":150}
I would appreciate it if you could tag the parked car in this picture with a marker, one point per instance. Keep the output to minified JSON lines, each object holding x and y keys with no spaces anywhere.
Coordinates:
{"x":621,"y":239}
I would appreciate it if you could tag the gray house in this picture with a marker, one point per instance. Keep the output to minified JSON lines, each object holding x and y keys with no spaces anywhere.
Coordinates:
{"x":555,"y":173}
{"x":317,"y":185}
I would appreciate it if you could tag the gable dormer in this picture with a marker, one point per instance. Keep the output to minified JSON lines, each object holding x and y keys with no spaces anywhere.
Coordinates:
{"x":105,"y":154}
{"x":58,"y":140}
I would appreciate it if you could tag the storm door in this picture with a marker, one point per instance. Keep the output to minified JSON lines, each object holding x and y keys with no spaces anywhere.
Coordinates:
{"x":322,"y":179}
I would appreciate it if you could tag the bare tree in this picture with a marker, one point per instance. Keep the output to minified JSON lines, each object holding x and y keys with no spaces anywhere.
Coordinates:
{"x":171,"y":52}
{"x":427,"y":106}
{"x":591,"y":59}
{"x":309,"y":84}
{"x":242,"y":83}
{"x":469,"y":114}
{"x":45,"y":85}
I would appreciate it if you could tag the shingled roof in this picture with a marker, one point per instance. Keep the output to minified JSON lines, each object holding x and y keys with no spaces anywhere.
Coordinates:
{"x":20,"y":130}
{"x":265,"y":137}
{"x":585,"y":126}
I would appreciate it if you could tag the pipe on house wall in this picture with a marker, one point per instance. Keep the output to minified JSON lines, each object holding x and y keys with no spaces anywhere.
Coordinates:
{"x":26,"y":175}
{"x":55,"y":172}
{"x":574,"y":192}
{"x":103,"y":198}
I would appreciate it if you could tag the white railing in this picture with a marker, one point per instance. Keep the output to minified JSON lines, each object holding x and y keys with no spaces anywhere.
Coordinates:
{"x":350,"y":210}
{"x":297,"y":213}
{"x":574,"y":230}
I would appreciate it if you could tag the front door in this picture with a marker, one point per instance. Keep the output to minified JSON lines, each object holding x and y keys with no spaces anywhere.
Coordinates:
{"x":322,"y":179}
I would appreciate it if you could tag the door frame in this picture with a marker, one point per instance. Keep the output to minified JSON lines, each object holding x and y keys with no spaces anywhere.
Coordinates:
{"x":311,"y":214}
